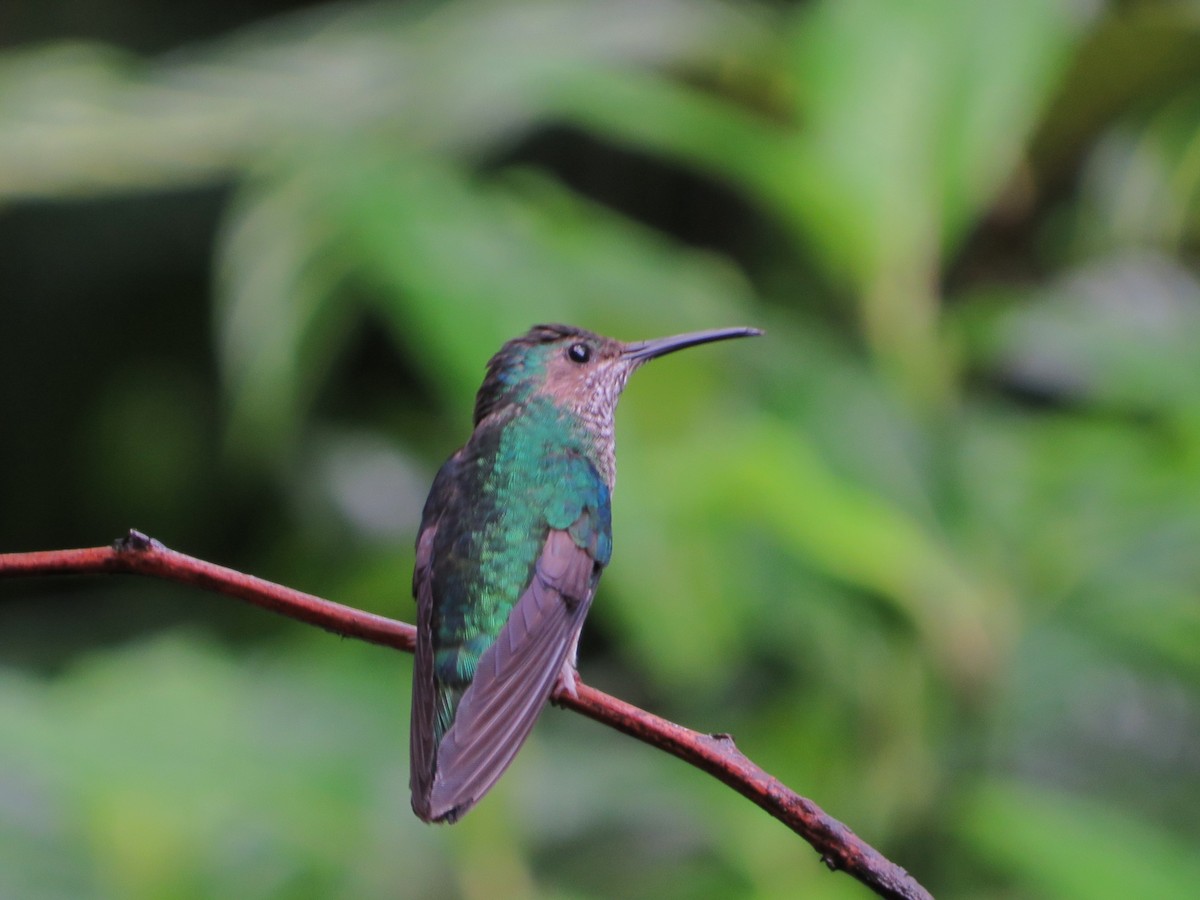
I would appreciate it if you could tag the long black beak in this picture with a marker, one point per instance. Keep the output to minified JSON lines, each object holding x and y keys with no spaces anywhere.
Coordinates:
{"x":641,"y":351}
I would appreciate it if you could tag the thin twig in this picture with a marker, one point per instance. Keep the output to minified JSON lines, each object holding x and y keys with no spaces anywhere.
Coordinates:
{"x":840,"y":848}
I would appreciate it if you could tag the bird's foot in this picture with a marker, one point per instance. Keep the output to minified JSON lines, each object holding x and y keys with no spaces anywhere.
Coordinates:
{"x":567,"y":682}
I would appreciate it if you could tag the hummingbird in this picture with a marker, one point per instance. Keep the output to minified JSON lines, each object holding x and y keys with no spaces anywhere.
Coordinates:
{"x":514,"y":536}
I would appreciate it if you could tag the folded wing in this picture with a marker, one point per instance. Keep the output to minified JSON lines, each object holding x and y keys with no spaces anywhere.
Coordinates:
{"x":513,"y":679}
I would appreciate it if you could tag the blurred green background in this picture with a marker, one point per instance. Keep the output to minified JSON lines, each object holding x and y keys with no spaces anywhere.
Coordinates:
{"x":929,"y":549}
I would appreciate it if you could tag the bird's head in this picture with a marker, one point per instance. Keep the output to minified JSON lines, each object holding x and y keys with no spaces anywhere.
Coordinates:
{"x":577,"y":369}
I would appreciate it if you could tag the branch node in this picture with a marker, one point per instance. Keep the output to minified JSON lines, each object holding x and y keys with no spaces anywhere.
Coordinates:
{"x":136,"y":542}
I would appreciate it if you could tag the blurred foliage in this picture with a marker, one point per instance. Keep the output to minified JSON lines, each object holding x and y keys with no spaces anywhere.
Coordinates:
{"x":928,"y":549}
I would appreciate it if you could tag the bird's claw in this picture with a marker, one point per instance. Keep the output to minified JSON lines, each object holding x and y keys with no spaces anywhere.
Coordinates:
{"x":567,"y":682}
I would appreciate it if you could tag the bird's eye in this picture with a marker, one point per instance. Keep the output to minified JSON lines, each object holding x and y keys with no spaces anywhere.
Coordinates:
{"x":579,"y":353}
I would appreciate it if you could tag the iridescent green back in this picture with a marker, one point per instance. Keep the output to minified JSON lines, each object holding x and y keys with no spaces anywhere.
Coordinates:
{"x":495,"y":502}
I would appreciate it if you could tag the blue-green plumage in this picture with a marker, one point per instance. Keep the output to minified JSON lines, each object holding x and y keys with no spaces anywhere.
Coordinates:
{"x":514,"y":536}
{"x":518,"y":479}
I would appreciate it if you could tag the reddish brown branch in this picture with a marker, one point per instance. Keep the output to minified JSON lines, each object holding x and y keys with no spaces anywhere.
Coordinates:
{"x":840,"y":848}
